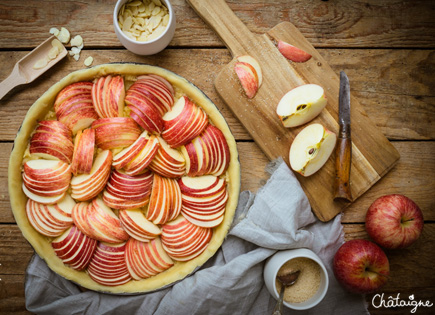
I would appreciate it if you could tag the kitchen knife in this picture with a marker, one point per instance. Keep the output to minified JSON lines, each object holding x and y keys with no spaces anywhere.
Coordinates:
{"x":343,"y":149}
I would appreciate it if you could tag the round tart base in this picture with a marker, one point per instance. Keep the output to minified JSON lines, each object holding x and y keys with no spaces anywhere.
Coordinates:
{"x":42,"y":244}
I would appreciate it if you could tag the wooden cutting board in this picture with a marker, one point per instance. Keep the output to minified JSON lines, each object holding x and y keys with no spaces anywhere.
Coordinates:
{"x":372,"y":154}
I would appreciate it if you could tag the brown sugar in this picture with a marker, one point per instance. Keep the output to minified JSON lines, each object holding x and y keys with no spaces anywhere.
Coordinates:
{"x":308,"y":281}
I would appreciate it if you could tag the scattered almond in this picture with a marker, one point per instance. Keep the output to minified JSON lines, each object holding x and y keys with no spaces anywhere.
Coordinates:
{"x":77,"y":41}
{"x":54,"y":31}
{"x":64,"y":35}
{"x":88,"y":61}
{"x":143,"y":20}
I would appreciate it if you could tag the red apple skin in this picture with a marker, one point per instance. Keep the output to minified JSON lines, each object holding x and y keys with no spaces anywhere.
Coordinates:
{"x":394,"y":221}
{"x":361,"y":266}
{"x":293,"y":53}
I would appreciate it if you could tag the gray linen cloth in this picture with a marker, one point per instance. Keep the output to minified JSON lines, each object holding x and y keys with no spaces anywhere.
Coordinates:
{"x":278,"y":217}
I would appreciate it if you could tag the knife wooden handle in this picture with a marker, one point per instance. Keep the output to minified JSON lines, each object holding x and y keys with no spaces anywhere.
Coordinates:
{"x":343,"y":155}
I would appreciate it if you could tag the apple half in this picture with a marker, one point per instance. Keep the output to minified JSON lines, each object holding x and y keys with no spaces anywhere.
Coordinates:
{"x":311,"y":149}
{"x":301,"y":104}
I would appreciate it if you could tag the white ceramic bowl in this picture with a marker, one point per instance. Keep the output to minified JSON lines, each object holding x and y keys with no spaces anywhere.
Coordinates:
{"x":275,"y":262}
{"x":145,"y":48}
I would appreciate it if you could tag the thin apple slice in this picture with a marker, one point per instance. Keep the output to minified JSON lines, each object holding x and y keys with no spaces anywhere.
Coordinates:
{"x":141,"y":161}
{"x":293,"y":53}
{"x":124,"y":157}
{"x":301,"y":104}
{"x":83,"y":152}
{"x":182,"y":240}
{"x":108,"y":96}
{"x":311,"y":149}
{"x":47,"y":219}
{"x":168,"y":162}
{"x":107,"y":266}
{"x":73,"y":106}
{"x":249,"y":73}
{"x":183,"y":123}
{"x":105,"y":225}
{"x":254,"y":63}
{"x":137,"y":226}
{"x":79,"y":215}
{"x":52,"y":140}
{"x":74,"y":248}
{"x":144,"y":112}
{"x":146,"y":259}
{"x":115,"y":132}
{"x":87,"y":186}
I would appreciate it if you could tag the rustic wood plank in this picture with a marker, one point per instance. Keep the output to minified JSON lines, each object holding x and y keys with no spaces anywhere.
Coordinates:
{"x":12,"y":295}
{"x":344,"y":23}
{"x":394,"y":86}
{"x":411,"y":263}
{"x":412,"y":176}
{"x":15,"y":251}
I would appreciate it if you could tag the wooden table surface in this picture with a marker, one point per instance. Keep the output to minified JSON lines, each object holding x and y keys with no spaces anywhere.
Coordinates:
{"x":385,"y":46}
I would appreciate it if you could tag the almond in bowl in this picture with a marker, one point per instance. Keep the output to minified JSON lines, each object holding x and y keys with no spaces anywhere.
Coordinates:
{"x":144,"y":27}
{"x":98,"y":173}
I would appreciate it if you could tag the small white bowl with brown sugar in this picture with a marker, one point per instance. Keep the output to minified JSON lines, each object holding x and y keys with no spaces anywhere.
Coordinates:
{"x":145,"y":27}
{"x":311,"y":285}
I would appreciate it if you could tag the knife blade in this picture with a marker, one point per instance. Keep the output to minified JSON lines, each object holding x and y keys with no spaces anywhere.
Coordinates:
{"x":343,"y":149}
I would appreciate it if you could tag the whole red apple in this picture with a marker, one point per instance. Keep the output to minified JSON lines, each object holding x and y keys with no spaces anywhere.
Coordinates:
{"x":361,"y":266}
{"x":394,"y":221}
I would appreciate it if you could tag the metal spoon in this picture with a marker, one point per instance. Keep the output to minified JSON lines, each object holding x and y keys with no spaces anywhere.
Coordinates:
{"x":23,"y":71}
{"x":286,"y":280}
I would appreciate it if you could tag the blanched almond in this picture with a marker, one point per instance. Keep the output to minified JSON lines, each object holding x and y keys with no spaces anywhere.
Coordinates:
{"x":88,"y":61}
{"x":64,"y":35}
{"x":77,"y":41}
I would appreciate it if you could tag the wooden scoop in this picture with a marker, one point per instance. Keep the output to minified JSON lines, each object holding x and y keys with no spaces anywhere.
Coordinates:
{"x":24,"y":72}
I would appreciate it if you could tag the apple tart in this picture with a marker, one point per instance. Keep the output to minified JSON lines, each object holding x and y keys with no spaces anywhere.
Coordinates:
{"x":124,"y":178}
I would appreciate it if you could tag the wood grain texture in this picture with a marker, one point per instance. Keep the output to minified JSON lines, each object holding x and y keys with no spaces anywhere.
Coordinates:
{"x":394,"y":86}
{"x":411,"y":263}
{"x":373,"y":156}
{"x":342,"y":23}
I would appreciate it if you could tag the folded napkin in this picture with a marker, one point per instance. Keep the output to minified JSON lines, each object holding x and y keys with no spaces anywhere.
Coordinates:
{"x":278,"y":217}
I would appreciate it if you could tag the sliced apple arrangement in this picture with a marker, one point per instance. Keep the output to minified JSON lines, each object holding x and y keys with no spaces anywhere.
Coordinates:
{"x":129,"y":180}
